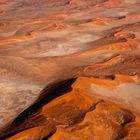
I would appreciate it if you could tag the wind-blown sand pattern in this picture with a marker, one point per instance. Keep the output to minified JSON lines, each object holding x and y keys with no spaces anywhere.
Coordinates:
{"x":70,"y":69}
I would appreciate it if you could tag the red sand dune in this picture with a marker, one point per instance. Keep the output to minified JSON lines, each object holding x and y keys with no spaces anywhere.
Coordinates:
{"x":69,"y":69}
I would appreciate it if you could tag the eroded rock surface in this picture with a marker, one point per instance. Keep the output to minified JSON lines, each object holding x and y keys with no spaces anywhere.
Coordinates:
{"x":45,"y":43}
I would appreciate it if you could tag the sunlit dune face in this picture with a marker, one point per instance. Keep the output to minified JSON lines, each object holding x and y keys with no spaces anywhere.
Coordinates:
{"x":3,"y":1}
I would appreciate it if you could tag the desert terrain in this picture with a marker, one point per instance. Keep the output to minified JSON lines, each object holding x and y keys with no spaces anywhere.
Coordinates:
{"x":69,"y":69}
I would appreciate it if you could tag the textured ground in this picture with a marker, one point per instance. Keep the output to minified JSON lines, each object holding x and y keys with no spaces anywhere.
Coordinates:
{"x":69,"y":69}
